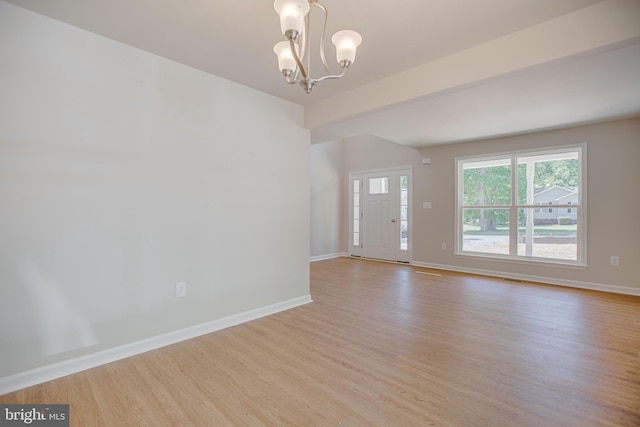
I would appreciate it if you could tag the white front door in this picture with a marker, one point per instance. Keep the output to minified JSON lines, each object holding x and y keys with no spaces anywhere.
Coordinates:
{"x":379,"y":216}
{"x":379,"y":212}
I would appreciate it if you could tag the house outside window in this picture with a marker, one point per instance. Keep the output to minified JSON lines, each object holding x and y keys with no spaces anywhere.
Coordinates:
{"x":498,"y":206}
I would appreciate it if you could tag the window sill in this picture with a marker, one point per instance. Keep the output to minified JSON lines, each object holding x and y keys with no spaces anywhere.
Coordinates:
{"x":522,"y":261}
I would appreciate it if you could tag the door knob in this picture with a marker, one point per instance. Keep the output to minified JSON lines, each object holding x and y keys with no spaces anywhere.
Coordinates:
{"x":393,"y":220}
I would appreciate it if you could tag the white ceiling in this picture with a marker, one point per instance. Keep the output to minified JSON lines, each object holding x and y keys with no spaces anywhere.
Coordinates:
{"x":587,"y":89}
{"x":234,"y":40}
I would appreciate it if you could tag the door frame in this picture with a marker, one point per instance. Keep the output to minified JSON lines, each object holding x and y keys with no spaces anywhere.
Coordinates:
{"x":356,"y":250}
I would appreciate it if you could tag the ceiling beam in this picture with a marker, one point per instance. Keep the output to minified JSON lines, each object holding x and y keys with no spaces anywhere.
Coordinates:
{"x":607,"y":23}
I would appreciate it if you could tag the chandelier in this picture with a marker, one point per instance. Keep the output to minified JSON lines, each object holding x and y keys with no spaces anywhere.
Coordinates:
{"x":294,"y":53}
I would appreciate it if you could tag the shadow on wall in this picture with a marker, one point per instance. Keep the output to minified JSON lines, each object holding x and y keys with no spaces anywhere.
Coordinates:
{"x":61,"y":326}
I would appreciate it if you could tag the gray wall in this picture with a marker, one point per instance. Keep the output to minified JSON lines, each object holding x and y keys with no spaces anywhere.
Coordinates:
{"x":331,"y":163}
{"x":327,"y":199}
{"x":122,"y":173}
{"x":613,"y":149}
{"x":368,"y":152}
{"x":612,"y":196}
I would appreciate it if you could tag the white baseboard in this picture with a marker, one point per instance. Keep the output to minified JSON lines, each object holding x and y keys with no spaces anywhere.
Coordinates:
{"x":71,"y":366}
{"x":528,"y":278}
{"x":328,"y":256}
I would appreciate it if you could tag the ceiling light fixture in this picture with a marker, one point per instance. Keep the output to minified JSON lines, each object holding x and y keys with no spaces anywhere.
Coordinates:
{"x":294,"y":23}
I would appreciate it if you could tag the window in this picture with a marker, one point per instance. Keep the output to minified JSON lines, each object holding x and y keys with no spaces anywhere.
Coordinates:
{"x":356,"y":213}
{"x":379,"y":185}
{"x":498,"y":206}
{"x":404,"y":212}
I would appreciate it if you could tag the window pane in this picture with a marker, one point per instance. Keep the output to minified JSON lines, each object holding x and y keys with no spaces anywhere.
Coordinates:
{"x":486,"y":230}
{"x":547,"y":240}
{"x":404,"y":212}
{"x":404,"y":225}
{"x":356,"y":212}
{"x":356,"y":232}
{"x":548,"y":178}
{"x":379,"y":185}
{"x":487,"y":183}
{"x":404,"y":182}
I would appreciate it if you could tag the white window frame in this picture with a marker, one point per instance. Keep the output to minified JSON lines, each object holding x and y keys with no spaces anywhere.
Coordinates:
{"x":580,"y":262}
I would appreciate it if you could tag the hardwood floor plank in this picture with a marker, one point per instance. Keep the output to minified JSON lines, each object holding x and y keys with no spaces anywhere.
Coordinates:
{"x":383,"y":345}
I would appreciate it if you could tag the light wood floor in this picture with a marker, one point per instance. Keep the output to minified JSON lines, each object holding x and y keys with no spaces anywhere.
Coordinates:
{"x":385,"y":346}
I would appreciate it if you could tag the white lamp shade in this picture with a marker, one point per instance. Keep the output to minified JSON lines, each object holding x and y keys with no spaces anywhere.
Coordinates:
{"x":292,"y":13}
{"x":346,"y":42}
{"x":285,"y":58}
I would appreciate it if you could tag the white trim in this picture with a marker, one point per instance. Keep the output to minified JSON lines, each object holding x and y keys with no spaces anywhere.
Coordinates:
{"x":380,"y":260}
{"x":328,"y":256}
{"x":71,"y":366}
{"x":525,"y":152}
{"x":382,"y":170}
{"x":625,"y":290}
{"x":546,"y":262}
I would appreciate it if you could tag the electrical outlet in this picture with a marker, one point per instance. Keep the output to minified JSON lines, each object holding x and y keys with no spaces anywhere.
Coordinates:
{"x":615,"y":260}
{"x":443,"y":246}
{"x":181,"y":289}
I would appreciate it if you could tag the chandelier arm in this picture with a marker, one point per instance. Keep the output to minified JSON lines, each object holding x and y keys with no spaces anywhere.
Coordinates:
{"x":302,"y":38}
{"x":295,"y":57}
{"x":333,"y":76}
{"x":322,"y":35}
{"x":307,"y":41}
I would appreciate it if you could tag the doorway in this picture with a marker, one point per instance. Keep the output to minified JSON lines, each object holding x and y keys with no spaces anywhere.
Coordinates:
{"x":379,"y":212}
